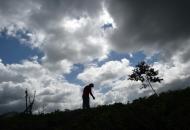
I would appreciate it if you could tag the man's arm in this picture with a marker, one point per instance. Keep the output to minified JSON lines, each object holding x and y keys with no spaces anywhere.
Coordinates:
{"x":92,"y":95}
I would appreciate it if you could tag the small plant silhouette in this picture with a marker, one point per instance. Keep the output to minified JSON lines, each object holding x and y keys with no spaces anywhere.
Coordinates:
{"x":147,"y":75}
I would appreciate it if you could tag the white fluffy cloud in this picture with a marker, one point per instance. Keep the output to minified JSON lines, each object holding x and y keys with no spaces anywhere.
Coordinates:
{"x":107,"y":73}
{"x":61,"y":29}
{"x":52,"y":89}
{"x":176,"y":73}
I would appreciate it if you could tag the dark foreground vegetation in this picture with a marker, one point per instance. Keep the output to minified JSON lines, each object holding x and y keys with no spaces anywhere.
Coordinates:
{"x":171,"y":111}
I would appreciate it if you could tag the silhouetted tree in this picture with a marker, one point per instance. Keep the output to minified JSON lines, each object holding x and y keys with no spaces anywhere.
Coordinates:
{"x":28,"y":109}
{"x":147,"y":75}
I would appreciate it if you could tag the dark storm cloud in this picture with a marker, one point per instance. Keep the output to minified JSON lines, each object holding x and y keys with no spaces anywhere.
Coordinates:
{"x":10,"y":93}
{"x":54,"y":10}
{"x":186,"y":55}
{"x":71,"y":7}
{"x":12,"y":107}
{"x":11,"y":98}
{"x":54,"y":7}
{"x":150,"y":24}
{"x":175,"y":85}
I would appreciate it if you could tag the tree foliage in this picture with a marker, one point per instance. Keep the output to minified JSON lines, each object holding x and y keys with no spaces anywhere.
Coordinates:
{"x":144,"y":73}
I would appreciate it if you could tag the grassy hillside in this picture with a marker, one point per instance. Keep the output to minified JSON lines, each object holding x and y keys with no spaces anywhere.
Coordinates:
{"x":171,"y":110}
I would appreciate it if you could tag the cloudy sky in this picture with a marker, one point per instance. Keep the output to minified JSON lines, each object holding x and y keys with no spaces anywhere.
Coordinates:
{"x":56,"y":47}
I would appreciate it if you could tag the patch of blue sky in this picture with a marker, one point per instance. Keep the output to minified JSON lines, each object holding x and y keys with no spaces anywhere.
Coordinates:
{"x":154,"y":58}
{"x":105,"y":89}
{"x":107,"y":26}
{"x":115,"y":56}
{"x":12,"y":51}
{"x":72,"y":77}
{"x":133,"y":58}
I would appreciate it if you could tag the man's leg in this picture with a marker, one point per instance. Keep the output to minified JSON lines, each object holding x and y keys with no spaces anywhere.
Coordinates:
{"x":83,"y":104}
{"x":87,"y":103}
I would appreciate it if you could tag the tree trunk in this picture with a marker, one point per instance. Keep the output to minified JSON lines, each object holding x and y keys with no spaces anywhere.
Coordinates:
{"x":152,"y":87}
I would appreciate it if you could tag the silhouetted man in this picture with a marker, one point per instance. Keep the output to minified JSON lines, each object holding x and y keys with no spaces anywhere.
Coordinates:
{"x":85,"y":96}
